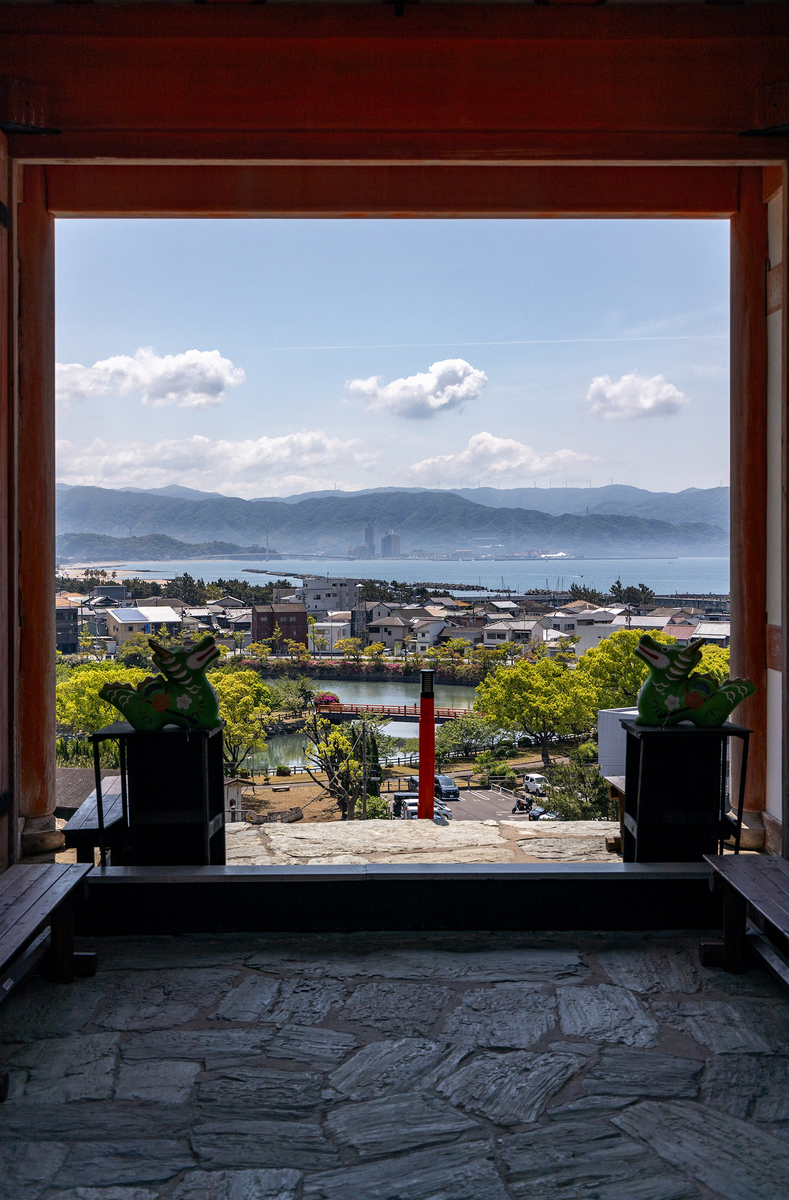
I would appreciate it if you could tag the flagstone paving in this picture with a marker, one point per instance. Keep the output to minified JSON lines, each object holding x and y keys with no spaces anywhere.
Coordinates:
{"x":397,"y":1067}
{"x":466,"y":841}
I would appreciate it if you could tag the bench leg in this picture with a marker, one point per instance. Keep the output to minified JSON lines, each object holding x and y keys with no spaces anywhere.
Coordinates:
{"x":735,"y":942}
{"x":61,"y":955}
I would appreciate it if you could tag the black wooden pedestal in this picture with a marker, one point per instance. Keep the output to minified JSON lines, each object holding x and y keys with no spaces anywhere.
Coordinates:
{"x":172,"y":790}
{"x":676,"y":792}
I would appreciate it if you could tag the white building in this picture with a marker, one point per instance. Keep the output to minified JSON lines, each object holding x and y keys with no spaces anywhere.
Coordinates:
{"x":323,"y":636}
{"x":391,"y":630}
{"x":123,"y":623}
{"x":326,"y":595}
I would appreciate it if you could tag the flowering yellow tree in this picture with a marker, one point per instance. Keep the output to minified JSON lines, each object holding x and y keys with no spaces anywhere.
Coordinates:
{"x":78,"y":706}
{"x":243,"y":708}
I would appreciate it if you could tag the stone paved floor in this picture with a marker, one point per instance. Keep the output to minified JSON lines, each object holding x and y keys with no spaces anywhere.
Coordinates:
{"x":397,"y":1067}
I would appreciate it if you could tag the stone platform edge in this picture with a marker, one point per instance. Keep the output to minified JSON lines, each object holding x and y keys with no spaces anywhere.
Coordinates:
{"x":385,"y":896}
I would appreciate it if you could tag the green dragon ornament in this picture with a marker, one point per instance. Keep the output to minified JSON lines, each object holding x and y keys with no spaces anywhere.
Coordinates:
{"x":181,"y":695}
{"x":670,"y":693}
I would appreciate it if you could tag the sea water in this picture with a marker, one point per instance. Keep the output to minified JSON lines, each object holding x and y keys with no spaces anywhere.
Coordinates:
{"x":665,"y":576}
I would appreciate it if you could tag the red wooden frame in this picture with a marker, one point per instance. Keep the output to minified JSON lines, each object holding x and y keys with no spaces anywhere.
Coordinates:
{"x":333,"y":110}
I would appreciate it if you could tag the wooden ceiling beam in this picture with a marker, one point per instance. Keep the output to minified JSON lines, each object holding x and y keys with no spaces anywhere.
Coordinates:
{"x":355,"y":82}
{"x":414,"y":191}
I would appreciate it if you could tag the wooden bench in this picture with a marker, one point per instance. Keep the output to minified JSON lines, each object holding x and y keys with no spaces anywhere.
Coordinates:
{"x":82,"y":830}
{"x":755,"y":889}
{"x":37,"y":921}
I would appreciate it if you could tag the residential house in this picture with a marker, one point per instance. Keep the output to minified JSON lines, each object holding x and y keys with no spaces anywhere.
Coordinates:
{"x":426,"y":632}
{"x":291,"y":619}
{"x":647,"y":624}
{"x":718,"y":632}
{"x":114,"y":592}
{"x":123,"y":623}
{"x":324,"y":635}
{"x":66,"y":625}
{"x":684,"y":634}
{"x":390,"y":630}
{"x":162,"y":602}
{"x":495,"y":633}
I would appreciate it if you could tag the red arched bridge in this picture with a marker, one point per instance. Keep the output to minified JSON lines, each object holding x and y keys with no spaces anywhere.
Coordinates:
{"x":394,"y":712}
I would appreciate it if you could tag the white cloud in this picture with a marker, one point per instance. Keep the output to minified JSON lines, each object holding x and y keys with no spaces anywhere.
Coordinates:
{"x":194,"y":379}
{"x":443,"y":386}
{"x":633,"y":396}
{"x":487,"y":457}
{"x":263,"y":466}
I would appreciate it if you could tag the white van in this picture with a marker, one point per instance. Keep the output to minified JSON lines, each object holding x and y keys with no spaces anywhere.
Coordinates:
{"x":535,"y":785}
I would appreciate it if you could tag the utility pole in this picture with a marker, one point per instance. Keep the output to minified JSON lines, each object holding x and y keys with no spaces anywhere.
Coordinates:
{"x":364,"y":770}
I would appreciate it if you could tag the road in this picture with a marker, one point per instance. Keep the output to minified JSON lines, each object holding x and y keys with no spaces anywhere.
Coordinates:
{"x":479,"y":805}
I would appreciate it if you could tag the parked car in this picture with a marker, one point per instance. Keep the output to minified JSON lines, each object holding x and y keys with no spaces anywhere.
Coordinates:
{"x":444,"y":787}
{"x":535,"y":784}
{"x":539,"y":814}
{"x":406,"y":805}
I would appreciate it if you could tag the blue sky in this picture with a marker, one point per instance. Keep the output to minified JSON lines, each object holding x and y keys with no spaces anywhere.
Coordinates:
{"x":264,"y":358}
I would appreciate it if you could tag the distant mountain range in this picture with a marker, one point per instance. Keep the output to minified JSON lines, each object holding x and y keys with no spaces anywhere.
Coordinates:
{"x":433,"y":521}
{"x":155,"y":547}
{"x":693,"y":504}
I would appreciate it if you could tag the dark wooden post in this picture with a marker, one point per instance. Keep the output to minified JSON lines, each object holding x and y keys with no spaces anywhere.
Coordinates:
{"x":749,"y":476}
{"x":35,"y":379}
{"x":7,"y":540}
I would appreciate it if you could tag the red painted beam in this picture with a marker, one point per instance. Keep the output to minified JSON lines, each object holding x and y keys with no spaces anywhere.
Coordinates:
{"x":355,"y":81}
{"x":415,"y":191}
{"x":35,"y":725}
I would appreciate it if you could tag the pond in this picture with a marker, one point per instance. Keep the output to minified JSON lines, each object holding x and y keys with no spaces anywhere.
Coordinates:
{"x":288,"y":750}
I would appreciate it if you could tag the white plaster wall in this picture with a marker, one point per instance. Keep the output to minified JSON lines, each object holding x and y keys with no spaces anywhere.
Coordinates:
{"x":774,"y":744}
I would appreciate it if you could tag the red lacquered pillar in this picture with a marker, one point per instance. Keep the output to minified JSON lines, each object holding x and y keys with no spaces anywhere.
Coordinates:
{"x":427,"y":747}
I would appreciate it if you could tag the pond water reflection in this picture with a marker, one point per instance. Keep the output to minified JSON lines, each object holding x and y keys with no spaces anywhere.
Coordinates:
{"x":287,"y":750}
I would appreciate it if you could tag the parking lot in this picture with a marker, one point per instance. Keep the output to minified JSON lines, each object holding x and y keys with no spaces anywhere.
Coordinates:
{"x":482,"y":805}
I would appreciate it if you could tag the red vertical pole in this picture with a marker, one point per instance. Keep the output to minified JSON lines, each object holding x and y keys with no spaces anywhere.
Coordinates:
{"x":427,"y":747}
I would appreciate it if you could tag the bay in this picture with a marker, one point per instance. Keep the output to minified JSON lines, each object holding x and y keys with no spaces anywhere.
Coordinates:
{"x":665,"y":576}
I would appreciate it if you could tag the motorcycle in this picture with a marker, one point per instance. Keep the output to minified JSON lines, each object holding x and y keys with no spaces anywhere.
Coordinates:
{"x":522,"y":806}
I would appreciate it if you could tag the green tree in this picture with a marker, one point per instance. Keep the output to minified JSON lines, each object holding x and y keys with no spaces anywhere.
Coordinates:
{"x":576,"y":791}
{"x":260,"y":651}
{"x":465,"y":736}
{"x":276,"y":639}
{"x":78,"y":706}
{"x":297,"y":651}
{"x":141,"y":589}
{"x":87,"y":643}
{"x":590,"y":595}
{"x":243,"y":708}
{"x":614,"y":670}
{"x":544,"y":699}
{"x":350,"y":648}
{"x":641,"y":595}
{"x":330,"y":751}
{"x":375,"y":652}
{"x":135,"y":652}
{"x":184,"y":587}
